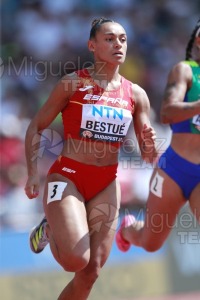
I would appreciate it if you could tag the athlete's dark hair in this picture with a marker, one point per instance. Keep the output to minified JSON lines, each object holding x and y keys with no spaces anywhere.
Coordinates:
{"x":188,"y":55}
{"x":96,"y":24}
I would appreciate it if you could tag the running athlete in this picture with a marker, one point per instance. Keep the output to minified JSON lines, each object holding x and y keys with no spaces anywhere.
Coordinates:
{"x":82,"y":194}
{"x":177,"y":176}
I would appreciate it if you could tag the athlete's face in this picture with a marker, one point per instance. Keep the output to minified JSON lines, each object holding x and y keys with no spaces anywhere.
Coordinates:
{"x":197,"y":40}
{"x":110,"y":44}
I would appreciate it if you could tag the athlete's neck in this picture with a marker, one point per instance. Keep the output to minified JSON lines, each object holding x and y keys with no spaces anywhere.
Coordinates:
{"x":101,"y":71}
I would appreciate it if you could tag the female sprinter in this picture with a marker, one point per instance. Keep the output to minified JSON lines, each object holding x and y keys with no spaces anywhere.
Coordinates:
{"x":177,"y":177}
{"x":82,"y":195}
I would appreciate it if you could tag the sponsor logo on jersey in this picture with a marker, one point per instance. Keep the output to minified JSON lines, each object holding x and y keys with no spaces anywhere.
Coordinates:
{"x":87,"y":133}
{"x":119,"y":101}
{"x":106,"y":123}
{"x":85,"y":88}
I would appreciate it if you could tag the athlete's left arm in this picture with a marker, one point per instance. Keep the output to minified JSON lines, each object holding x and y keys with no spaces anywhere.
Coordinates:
{"x":145,"y":133}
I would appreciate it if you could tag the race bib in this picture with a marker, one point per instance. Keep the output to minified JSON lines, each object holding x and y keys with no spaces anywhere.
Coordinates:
{"x":105,"y":123}
{"x":196,"y":120}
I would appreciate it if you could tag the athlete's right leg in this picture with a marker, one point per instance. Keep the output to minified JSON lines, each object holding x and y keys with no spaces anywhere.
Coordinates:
{"x":163,"y":204}
{"x":67,"y":227}
{"x":102,"y":211}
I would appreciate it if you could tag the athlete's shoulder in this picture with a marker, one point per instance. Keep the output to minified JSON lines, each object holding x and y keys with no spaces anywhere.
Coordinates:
{"x":183,"y":64}
{"x":137,"y":89}
{"x":69,"y":76}
{"x":76,"y":74}
{"x":139,"y":94}
{"x":126,"y":81}
{"x":83,"y":73}
{"x":69,"y":82}
{"x":191,"y":63}
{"x":180,"y":71}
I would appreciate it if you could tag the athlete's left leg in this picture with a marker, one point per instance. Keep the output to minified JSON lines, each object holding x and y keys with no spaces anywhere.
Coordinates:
{"x":102,"y":215}
{"x":163,"y":204}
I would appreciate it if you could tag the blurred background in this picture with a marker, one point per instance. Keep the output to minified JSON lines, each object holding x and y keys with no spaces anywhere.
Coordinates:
{"x":40,"y":42}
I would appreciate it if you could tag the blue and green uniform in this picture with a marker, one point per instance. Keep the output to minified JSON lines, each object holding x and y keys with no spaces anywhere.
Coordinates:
{"x":183,"y":172}
{"x":193,"y":94}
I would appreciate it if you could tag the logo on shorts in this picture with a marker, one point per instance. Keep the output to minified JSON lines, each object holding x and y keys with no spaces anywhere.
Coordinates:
{"x":68,"y":170}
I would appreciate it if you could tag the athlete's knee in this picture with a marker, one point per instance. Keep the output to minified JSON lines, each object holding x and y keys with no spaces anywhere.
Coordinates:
{"x":90,"y":274}
{"x":94,"y":271}
{"x":74,"y":262}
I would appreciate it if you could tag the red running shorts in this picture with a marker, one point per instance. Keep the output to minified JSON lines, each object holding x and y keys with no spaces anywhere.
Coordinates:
{"x":89,"y":179}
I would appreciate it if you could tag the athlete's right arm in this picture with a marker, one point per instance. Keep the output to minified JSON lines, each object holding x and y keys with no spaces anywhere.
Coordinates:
{"x":173,"y":108}
{"x":57,"y":100}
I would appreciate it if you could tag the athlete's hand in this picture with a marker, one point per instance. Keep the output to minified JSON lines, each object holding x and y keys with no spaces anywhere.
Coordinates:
{"x":148,"y":145}
{"x":32,"y":187}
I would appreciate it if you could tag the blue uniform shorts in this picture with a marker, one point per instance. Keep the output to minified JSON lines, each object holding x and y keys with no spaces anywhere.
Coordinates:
{"x":183,"y":172}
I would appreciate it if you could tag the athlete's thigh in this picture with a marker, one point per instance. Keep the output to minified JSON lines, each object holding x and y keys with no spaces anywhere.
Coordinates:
{"x":195,"y":202}
{"x":103,"y":211}
{"x":163,"y":204}
{"x":65,"y":211}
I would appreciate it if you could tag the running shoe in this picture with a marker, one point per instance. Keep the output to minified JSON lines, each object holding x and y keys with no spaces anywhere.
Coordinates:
{"x":38,"y":238}
{"x":122,"y":244}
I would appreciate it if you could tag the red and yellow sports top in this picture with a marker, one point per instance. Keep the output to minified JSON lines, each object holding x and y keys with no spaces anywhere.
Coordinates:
{"x":94,"y":114}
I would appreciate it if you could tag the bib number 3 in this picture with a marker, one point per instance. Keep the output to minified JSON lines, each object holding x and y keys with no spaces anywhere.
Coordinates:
{"x":55,"y":191}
